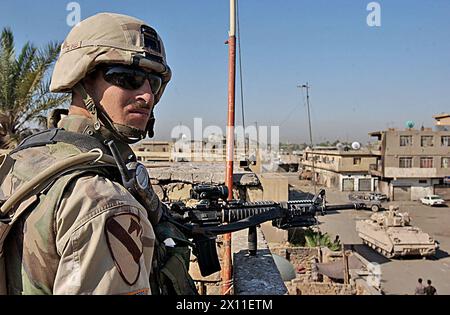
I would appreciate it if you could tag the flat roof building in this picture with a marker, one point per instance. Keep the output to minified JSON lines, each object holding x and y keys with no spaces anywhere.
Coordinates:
{"x":412,"y":163}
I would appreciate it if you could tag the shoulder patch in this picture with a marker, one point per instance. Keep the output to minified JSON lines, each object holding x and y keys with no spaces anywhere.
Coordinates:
{"x":124,"y":237}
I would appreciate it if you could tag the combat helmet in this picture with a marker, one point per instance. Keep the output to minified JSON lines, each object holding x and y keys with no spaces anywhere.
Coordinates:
{"x":109,"y":38}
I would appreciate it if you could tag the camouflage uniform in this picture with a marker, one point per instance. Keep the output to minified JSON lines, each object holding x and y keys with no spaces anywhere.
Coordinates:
{"x":79,"y":236}
{"x":84,"y":233}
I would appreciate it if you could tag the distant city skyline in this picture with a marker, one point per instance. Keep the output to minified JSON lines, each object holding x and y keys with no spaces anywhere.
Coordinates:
{"x":363,"y":78}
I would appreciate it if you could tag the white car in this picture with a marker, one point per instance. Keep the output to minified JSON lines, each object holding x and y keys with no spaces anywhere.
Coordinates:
{"x":433,"y":200}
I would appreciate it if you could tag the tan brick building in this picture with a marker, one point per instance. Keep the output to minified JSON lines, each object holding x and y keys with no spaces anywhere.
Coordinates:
{"x":346,"y":170}
{"x":412,"y":163}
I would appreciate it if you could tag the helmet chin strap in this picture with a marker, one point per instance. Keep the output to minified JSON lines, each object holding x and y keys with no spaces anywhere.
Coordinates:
{"x":123,"y":133}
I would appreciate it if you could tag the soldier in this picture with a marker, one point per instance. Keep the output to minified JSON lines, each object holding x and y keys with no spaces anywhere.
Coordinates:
{"x":86,"y":231}
{"x":420,"y":289}
{"x":430,"y":290}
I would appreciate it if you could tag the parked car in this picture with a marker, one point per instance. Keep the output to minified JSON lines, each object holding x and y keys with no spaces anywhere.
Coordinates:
{"x":379,"y":196}
{"x":368,"y":196}
{"x":365,"y":201}
{"x":433,"y":200}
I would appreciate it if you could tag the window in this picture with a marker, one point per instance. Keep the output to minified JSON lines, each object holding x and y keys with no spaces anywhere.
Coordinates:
{"x":405,"y":162}
{"x":445,"y":162}
{"x":426,"y":162}
{"x":445,"y":141}
{"x":423,"y":181}
{"x":405,"y":141}
{"x":356,"y":161}
{"x":426,"y":141}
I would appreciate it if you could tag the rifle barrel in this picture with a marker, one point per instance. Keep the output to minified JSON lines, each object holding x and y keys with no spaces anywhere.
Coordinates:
{"x":348,"y":206}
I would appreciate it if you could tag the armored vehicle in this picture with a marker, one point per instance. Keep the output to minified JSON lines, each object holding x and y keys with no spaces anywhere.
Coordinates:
{"x":391,"y":234}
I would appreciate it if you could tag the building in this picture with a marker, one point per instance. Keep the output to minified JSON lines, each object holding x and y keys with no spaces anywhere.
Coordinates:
{"x":412,"y":163}
{"x":346,"y":170}
{"x":153,"y":151}
{"x":207,"y":150}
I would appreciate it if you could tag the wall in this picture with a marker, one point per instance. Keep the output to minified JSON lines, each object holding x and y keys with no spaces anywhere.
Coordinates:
{"x":333,"y":166}
{"x":327,"y":178}
{"x":415,"y":172}
{"x":393,"y":150}
{"x":296,"y":287}
{"x":346,"y":164}
{"x":275,"y":186}
{"x":255,"y":275}
{"x":356,"y":181}
{"x":340,"y":161}
{"x":383,"y":187}
{"x":298,"y":256}
{"x":418,"y":190}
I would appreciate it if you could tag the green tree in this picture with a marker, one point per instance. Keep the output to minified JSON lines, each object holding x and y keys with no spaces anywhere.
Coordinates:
{"x":314,"y":239}
{"x":25,"y":96}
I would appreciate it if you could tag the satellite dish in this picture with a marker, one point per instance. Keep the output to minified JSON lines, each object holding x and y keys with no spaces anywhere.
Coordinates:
{"x":410,"y":124}
{"x":356,"y":145}
{"x":340,"y":146}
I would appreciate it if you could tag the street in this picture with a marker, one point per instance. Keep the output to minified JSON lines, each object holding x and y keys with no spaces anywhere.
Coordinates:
{"x":399,"y":276}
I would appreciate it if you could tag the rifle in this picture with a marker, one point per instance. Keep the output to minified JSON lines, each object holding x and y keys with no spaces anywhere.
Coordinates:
{"x":214,"y":215}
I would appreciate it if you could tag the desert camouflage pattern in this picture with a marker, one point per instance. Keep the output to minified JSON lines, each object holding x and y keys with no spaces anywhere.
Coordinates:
{"x":85,"y":234}
{"x":391,"y":234}
{"x":108,"y":38}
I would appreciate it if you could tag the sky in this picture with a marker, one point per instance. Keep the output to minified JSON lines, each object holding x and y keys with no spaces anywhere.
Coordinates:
{"x":363,"y":78}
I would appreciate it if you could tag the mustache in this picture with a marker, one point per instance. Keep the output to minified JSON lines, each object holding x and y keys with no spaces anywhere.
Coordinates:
{"x":141,"y":105}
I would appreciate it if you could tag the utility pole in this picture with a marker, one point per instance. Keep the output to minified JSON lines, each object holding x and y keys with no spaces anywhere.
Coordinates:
{"x":307,"y":87}
{"x":227,"y":261}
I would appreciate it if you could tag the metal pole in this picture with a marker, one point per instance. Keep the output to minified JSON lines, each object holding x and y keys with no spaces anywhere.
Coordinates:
{"x":306,"y":86}
{"x":227,"y":262}
{"x":345,"y":255}
{"x":252,"y":241}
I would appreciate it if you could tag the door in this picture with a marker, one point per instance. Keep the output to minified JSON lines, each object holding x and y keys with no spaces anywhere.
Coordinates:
{"x":348,"y":184}
{"x":365,"y":184}
{"x":402,"y":194}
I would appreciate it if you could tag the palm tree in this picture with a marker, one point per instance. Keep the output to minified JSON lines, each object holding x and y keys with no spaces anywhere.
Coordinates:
{"x":314,"y":239}
{"x":25,"y":97}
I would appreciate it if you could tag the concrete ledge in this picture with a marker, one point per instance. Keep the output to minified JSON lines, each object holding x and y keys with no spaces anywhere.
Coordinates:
{"x":255,"y":275}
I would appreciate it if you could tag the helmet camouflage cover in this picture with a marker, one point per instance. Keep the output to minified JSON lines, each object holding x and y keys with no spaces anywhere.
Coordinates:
{"x":109,"y":38}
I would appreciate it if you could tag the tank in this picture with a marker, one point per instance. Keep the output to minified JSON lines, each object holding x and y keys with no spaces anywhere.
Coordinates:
{"x":391,"y":234}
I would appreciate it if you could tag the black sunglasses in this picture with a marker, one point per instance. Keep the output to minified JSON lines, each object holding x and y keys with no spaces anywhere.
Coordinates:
{"x":131,"y":78}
